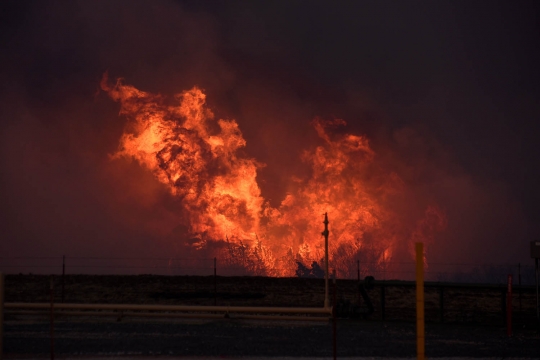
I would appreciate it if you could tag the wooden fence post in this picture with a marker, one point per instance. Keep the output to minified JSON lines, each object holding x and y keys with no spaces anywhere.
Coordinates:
{"x":52,"y":317}
{"x":215,"y":281}
{"x":503,"y":306}
{"x":519,"y":285}
{"x":63,"y":274}
{"x":509,"y":307}
{"x":334,"y":319}
{"x":420,"y":321}
{"x":441,"y":303}
{"x":383,"y":304}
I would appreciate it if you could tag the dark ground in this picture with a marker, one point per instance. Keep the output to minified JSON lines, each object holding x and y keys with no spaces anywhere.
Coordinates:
{"x":473,"y":324}
{"x":250,"y":338}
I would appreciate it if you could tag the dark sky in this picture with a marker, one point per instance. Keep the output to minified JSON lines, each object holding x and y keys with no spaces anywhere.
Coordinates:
{"x":448,"y":93}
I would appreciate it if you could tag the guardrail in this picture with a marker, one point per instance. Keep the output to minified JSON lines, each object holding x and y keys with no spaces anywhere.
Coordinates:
{"x":186,"y":311}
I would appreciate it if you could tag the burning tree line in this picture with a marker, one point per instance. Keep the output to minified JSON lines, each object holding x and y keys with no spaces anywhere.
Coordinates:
{"x":198,"y":160}
{"x":253,"y":260}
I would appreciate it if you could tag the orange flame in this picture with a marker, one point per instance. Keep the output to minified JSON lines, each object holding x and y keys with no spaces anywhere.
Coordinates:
{"x":218,"y":189}
{"x":197,"y":158}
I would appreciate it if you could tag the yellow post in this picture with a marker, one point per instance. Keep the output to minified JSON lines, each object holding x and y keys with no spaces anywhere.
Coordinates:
{"x":420,"y":337}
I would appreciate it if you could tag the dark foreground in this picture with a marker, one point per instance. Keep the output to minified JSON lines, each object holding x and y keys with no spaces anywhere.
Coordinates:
{"x":471,"y":325}
{"x":76,"y":337}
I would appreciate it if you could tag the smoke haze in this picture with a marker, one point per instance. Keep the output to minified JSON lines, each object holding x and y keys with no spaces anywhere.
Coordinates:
{"x":445,"y":93}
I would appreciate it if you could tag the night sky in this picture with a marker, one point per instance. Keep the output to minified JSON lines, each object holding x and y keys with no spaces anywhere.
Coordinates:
{"x":448,"y":93}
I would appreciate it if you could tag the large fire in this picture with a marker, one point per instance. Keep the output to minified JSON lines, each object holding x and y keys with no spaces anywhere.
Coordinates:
{"x":197,"y":158}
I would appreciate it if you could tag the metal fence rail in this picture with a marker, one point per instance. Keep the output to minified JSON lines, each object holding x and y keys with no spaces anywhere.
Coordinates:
{"x":176,"y":308}
{"x":171,"y":311}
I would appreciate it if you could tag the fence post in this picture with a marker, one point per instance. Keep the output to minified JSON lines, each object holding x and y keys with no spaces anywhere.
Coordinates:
{"x":519,"y":285}
{"x":52,"y":317}
{"x":1,"y":315}
{"x":334,"y":320}
{"x":215,"y":282}
{"x":384,"y":265}
{"x":420,"y":321}
{"x":441,"y":303}
{"x":383,"y":300}
{"x":358,"y":269}
{"x":503,"y":305}
{"x":63,"y":274}
{"x":509,"y":307}
{"x":537,"y":298}
{"x":358,"y":273}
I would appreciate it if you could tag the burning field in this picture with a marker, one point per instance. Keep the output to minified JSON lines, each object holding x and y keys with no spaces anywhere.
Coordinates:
{"x":202,"y":162}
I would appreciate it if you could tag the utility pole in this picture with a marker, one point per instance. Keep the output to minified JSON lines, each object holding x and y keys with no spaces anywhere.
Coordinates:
{"x":325,"y":234}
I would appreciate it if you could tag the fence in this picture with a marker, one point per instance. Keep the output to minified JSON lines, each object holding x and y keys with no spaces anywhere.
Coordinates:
{"x":442,"y":272}
{"x":183,"y":296}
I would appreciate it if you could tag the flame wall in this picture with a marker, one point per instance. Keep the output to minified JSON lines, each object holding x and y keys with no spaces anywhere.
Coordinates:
{"x":198,"y":160}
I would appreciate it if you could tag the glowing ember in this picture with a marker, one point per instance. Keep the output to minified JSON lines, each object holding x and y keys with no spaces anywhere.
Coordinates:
{"x":197,"y":158}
